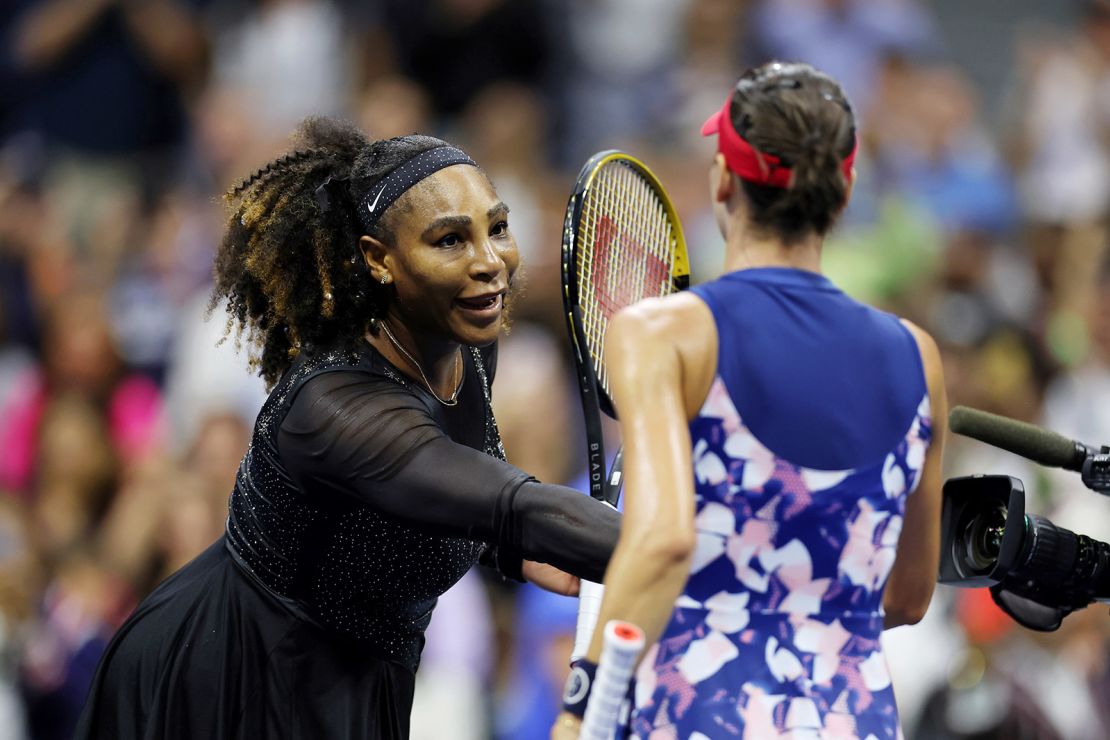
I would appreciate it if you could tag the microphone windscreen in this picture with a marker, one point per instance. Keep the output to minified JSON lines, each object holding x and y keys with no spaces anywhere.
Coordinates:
{"x":1029,"y":441}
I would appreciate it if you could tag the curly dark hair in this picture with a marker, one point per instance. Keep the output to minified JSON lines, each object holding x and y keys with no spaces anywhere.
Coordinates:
{"x":802,"y":116}
{"x":289,"y":264}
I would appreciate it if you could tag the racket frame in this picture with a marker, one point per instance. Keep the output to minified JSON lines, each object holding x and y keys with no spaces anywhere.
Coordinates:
{"x":594,"y":398}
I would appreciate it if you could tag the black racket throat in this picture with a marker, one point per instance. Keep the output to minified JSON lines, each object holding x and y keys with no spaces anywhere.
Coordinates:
{"x":604,"y":486}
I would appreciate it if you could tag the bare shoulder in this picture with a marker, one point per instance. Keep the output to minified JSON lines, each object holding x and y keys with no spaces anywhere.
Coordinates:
{"x":674,"y":336}
{"x":934,"y":372}
{"x":667,"y":318}
{"x":927,"y":346}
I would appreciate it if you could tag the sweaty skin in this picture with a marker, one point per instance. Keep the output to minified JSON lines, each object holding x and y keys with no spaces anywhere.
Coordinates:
{"x":662,"y":357}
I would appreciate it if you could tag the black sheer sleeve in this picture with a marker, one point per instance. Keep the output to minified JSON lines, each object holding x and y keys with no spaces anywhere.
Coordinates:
{"x":353,"y":434}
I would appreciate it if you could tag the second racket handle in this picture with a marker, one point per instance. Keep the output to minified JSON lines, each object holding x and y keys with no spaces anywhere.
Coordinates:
{"x":589,"y":607}
{"x":623,"y":643}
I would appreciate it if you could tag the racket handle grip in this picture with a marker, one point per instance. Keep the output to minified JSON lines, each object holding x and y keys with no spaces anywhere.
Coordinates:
{"x":623,"y":643}
{"x":589,"y":607}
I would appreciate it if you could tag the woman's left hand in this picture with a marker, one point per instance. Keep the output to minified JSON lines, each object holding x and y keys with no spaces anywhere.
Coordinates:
{"x":566,"y":727}
{"x":550,"y":578}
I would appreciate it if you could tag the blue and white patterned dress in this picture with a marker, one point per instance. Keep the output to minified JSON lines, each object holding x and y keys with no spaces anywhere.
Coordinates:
{"x":776,"y":633}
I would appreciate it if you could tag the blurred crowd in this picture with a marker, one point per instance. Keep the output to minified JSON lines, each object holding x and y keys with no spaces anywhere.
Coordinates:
{"x":123,"y":415}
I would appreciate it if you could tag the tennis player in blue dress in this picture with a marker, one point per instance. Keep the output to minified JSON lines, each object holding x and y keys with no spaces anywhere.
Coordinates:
{"x":782,"y":454}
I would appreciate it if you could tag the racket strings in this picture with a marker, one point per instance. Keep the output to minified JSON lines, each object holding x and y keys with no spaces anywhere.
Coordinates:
{"x":626,"y":251}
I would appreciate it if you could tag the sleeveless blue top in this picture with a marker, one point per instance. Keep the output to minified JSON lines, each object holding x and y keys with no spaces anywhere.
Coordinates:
{"x":812,"y":436}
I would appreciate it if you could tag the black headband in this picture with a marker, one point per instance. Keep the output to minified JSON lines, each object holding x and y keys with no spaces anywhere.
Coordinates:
{"x":394,"y":185}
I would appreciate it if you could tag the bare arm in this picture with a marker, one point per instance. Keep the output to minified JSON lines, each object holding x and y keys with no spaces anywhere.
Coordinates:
{"x":48,"y":31}
{"x":661,"y":355}
{"x":910,"y":586}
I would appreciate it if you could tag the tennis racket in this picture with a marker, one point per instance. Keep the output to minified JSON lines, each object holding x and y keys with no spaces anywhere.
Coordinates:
{"x":622,"y":242}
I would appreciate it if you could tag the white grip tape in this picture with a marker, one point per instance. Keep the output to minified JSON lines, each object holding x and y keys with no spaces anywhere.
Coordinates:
{"x":589,"y":607}
{"x":623,"y":642}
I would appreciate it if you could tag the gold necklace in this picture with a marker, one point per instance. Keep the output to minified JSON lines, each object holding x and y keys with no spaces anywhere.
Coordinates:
{"x":454,"y":399}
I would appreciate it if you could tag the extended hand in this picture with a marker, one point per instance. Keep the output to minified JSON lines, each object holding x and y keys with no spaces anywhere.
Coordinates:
{"x":550,"y":578}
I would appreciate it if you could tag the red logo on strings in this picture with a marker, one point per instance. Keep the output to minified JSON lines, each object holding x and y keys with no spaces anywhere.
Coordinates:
{"x":640,"y":274}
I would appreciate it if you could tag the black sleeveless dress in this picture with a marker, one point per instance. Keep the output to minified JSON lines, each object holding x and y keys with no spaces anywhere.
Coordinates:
{"x":360,"y":500}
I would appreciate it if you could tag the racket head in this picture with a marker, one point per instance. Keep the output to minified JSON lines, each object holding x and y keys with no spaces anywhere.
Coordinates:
{"x":622,"y":242}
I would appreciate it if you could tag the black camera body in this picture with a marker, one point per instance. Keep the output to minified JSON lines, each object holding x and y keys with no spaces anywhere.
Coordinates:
{"x":979,"y":540}
{"x":1038,"y":572}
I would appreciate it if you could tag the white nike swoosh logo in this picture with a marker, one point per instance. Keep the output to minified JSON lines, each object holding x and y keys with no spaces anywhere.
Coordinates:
{"x":374,"y":205}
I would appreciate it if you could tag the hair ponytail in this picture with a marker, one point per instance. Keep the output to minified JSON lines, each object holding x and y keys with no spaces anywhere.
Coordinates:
{"x":289,"y":265}
{"x":802,"y":117}
{"x":819,"y":186}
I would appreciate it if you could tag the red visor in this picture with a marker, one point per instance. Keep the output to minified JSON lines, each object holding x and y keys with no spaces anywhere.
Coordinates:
{"x":750,"y":163}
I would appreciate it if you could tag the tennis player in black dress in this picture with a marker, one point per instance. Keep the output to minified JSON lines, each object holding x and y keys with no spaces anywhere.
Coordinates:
{"x":371,"y":277}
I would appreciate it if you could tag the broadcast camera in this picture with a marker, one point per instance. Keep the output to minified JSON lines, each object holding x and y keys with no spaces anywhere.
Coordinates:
{"x":1038,"y":573}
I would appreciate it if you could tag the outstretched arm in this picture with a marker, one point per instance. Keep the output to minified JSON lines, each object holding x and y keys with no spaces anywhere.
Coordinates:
{"x":348,"y":434}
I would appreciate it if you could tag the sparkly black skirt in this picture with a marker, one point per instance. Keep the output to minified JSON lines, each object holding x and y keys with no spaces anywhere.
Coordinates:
{"x":212,"y":654}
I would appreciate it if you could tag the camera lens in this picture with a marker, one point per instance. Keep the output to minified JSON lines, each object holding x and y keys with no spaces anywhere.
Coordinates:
{"x":981,"y":539}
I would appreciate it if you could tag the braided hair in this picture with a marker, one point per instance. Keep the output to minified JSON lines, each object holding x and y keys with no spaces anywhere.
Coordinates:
{"x":289,"y":265}
{"x":801,"y":116}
